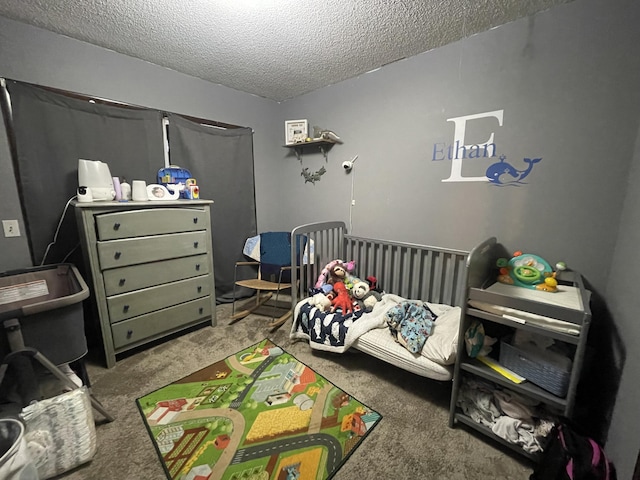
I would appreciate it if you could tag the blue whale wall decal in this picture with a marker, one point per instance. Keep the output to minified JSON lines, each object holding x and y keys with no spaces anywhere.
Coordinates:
{"x":502,"y":173}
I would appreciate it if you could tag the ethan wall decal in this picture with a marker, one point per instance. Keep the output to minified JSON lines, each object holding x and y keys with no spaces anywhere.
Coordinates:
{"x":499,"y":173}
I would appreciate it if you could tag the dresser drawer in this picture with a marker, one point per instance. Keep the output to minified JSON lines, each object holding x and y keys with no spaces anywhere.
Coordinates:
{"x":136,"y":303}
{"x":135,"y":277}
{"x":156,"y":221}
{"x":132,"y":251}
{"x":159,"y":323}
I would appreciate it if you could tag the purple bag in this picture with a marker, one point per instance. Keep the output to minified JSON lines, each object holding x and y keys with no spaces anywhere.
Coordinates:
{"x":572,"y":456}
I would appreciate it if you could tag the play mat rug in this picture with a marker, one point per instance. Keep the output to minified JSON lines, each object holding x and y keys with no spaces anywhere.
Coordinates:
{"x":258,"y":414}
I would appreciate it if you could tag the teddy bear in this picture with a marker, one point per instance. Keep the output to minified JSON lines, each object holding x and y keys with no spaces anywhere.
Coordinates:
{"x":366,"y":297}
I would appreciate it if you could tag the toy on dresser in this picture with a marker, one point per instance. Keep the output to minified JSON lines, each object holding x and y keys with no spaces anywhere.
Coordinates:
{"x":180,"y":181}
{"x":529,"y":271}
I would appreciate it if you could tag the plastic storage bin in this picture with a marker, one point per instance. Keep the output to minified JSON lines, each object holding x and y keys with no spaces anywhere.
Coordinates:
{"x":47,"y":301}
{"x":538,"y":367}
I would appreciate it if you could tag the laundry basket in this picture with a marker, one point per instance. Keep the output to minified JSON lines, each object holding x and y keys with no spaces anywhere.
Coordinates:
{"x":47,"y":301}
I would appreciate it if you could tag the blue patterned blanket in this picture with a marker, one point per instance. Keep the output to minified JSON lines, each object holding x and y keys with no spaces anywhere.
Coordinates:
{"x":335,"y":332}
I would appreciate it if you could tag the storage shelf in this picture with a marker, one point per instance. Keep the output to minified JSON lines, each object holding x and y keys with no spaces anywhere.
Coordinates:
{"x":510,"y":308}
{"x":322,"y":144}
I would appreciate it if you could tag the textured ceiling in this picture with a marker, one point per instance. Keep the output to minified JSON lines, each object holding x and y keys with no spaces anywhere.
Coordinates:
{"x":276,"y":49}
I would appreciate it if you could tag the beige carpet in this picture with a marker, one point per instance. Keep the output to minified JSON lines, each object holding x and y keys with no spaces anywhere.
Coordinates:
{"x":413,"y":440}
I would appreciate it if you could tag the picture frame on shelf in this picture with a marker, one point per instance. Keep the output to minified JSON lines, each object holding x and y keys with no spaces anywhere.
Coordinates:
{"x":295,"y":131}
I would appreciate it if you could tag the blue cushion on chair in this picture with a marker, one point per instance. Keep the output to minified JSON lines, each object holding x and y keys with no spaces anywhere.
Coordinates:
{"x":275,"y":252}
{"x":275,"y":248}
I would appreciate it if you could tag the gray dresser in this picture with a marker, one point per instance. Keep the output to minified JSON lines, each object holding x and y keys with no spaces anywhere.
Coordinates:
{"x":151,"y":268}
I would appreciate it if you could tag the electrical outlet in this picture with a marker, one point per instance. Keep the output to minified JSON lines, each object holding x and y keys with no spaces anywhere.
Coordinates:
{"x":11,"y":228}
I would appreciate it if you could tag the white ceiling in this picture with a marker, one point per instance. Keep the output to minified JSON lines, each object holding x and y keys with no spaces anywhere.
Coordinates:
{"x":276,"y":49}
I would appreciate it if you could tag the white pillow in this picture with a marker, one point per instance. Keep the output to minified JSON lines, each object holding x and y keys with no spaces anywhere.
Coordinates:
{"x":442,"y":345}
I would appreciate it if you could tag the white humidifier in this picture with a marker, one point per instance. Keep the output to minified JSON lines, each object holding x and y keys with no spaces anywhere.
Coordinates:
{"x":95,"y":175}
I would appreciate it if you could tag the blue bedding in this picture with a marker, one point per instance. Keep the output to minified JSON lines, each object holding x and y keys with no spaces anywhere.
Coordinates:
{"x":328,"y":329}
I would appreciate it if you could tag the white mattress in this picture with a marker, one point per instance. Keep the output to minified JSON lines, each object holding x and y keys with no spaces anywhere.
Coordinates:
{"x":380,"y":344}
{"x":370,"y":335}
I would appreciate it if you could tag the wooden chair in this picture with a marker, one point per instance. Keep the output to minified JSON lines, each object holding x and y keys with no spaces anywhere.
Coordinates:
{"x":271,"y":254}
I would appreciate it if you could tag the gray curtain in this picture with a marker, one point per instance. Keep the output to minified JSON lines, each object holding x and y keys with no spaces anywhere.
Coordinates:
{"x":221,"y":160}
{"x":52,"y":132}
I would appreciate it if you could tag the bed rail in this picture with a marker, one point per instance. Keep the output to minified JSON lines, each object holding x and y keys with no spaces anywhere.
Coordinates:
{"x":313,"y":246}
{"x":434,"y":274}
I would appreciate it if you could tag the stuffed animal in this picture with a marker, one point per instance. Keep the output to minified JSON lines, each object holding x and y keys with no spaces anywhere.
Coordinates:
{"x":321,"y":302}
{"x":371,"y":299}
{"x":373,"y":284}
{"x":359,"y":290}
{"x":325,"y":275}
{"x":342,"y":300}
{"x":337,"y":273}
{"x":365,"y":296}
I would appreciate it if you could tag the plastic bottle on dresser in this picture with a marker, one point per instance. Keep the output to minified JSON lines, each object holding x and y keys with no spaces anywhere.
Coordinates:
{"x":125,"y":188}
{"x":116,"y":188}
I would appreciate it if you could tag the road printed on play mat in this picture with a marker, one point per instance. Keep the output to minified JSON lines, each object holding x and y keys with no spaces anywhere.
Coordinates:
{"x":316,"y":416}
{"x":235,"y":437}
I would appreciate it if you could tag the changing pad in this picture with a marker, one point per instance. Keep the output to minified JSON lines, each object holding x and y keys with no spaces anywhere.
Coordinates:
{"x":566,"y":296}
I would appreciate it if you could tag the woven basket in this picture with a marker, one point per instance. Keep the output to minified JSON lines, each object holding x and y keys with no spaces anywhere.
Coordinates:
{"x":535,"y":368}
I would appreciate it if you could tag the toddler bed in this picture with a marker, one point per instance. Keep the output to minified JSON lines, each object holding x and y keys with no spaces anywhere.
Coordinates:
{"x":417,"y":277}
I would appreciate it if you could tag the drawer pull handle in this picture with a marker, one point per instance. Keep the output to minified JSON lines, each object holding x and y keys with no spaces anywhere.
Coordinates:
{"x":125,"y":309}
{"x":200,"y":310}
{"x":197,"y":267}
{"x":195,"y":219}
{"x":129,"y":333}
{"x":195,"y":244}
{"x":117,"y":255}
{"x":116,"y":226}
{"x":199,"y":288}
{"x":121,"y":282}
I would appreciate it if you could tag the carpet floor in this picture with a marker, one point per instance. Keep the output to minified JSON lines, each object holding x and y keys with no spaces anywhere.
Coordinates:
{"x":412,"y":440}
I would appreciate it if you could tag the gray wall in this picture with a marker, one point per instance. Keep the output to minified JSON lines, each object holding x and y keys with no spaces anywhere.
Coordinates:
{"x":622,"y":298}
{"x":567,"y":81}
